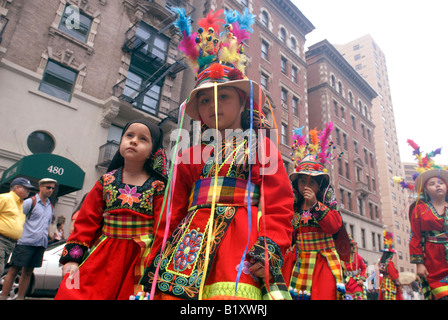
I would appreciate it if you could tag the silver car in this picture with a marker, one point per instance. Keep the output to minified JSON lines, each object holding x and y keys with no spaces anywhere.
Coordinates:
{"x":46,"y":279}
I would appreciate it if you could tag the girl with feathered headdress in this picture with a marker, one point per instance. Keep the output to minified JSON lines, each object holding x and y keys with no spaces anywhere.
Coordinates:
{"x":230,"y":221}
{"x":314,"y":264}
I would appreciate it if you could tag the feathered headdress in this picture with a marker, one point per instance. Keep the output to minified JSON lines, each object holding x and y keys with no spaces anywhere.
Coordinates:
{"x":311,"y":154}
{"x":424,"y":165}
{"x":217,"y":40}
{"x":388,"y":242}
{"x":215,"y":52}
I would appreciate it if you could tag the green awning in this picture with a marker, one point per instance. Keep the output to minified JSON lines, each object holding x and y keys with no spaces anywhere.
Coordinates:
{"x":70,"y":177}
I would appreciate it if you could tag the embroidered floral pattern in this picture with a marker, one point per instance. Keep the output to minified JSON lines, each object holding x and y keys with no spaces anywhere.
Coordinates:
{"x":147,"y":200}
{"x":76,"y":252}
{"x":109,"y":194}
{"x":306,"y":216}
{"x":129,"y":195}
{"x":108,"y":178}
{"x":188,"y":250}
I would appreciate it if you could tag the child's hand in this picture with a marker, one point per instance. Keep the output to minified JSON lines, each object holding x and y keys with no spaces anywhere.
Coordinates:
{"x":257,"y":269}
{"x":309,"y":196}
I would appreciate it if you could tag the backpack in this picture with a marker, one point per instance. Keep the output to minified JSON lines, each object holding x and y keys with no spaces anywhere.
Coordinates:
{"x":33,"y":204}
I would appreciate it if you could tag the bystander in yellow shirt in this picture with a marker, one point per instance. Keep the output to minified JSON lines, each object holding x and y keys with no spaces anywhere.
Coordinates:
{"x":12,"y":218}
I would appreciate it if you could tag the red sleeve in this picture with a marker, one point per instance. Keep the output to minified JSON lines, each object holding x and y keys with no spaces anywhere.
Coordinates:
{"x":392,"y":271}
{"x":278,"y":199}
{"x":362,"y":266}
{"x":87,"y":227}
{"x":90,"y":218}
{"x":329,"y":220}
{"x":415,"y":244}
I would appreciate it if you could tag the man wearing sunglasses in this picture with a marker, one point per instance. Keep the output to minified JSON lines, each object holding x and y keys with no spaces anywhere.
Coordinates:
{"x":29,"y":250}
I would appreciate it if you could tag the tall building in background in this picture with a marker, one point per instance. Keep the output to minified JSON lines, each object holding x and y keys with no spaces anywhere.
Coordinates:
{"x":72,"y":74}
{"x":339,"y":94}
{"x":367,"y":58}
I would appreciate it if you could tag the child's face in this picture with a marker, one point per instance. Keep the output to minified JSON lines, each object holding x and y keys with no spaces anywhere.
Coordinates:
{"x":229,"y":108}
{"x":436,"y":188}
{"x":136,"y":143}
{"x":305,"y":181}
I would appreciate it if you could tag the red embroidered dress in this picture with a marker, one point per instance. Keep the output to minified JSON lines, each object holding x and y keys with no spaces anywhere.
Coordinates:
{"x":116,"y":223}
{"x":183,"y":258}
{"x":355,"y":271}
{"x":390,"y":288}
{"x":429,"y":245}
{"x":313,"y":264}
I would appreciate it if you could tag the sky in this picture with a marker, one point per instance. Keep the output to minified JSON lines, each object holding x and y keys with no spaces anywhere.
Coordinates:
{"x":413,"y":36}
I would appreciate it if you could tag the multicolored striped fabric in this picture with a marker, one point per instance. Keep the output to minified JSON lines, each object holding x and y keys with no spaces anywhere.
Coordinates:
{"x":231,"y":191}
{"x":388,"y":288}
{"x":309,"y":245}
{"x":135,"y":228}
{"x":126,"y":226}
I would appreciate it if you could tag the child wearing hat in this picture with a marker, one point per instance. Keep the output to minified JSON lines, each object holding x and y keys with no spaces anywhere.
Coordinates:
{"x":103,"y":258}
{"x":428,"y":246}
{"x":390,"y":286}
{"x":230,"y":222}
{"x":313,"y":262}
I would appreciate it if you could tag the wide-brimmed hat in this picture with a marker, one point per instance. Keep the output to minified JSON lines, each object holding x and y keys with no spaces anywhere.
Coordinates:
{"x":311,"y":167}
{"x":216,"y":53}
{"x":420,"y":182}
{"x":249,"y":87}
{"x":311,"y":157}
{"x":425,"y":169}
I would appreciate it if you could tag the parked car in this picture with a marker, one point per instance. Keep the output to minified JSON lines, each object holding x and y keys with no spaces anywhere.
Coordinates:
{"x":45,"y":280}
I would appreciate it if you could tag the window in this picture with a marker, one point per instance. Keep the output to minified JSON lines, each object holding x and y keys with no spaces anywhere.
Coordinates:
{"x":283,"y":65}
{"x":154,"y":43}
{"x":264,"y":81}
{"x":282,"y":35}
{"x":349,"y":201}
{"x":40,"y":142}
{"x":58,"y":81}
{"x":264,"y":50}
{"x":294,"y":73}
{"x":295,"y":106}
{"x":135,"y":83}
{"x":265,"y":18}
{"x":360,"y":206}
{"x":75,"y":23}
{"x":293,"y":44}
{"x":284,"y":133}
{"x":284,"y":98}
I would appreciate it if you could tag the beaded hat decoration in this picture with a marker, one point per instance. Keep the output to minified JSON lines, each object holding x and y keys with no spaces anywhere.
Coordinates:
{"x":310,"y":157}
{"x":425,"y":169}
{"x":216,"y":53}
{"x":388,"y":242}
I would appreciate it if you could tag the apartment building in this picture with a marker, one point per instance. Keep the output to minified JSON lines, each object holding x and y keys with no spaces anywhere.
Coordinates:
{"x":365,"y":55}
{"x":72,"y":74}
{"x":338,"y":94}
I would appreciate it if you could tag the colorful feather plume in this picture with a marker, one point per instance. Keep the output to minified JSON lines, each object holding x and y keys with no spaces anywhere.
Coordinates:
{"x":319,"y":145}
{"x":424,"y":163}
{"x":217,"y":39}
{"x":212,"y":21}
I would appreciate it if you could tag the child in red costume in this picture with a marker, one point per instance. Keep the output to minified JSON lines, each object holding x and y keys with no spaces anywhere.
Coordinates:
{"x":116,"y":220}
{"x":355,"y":275}
{"x":313,"y":264}
{"x":390,"y":286}
{"x":231,"y":215}
{"x":429,"y":224}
